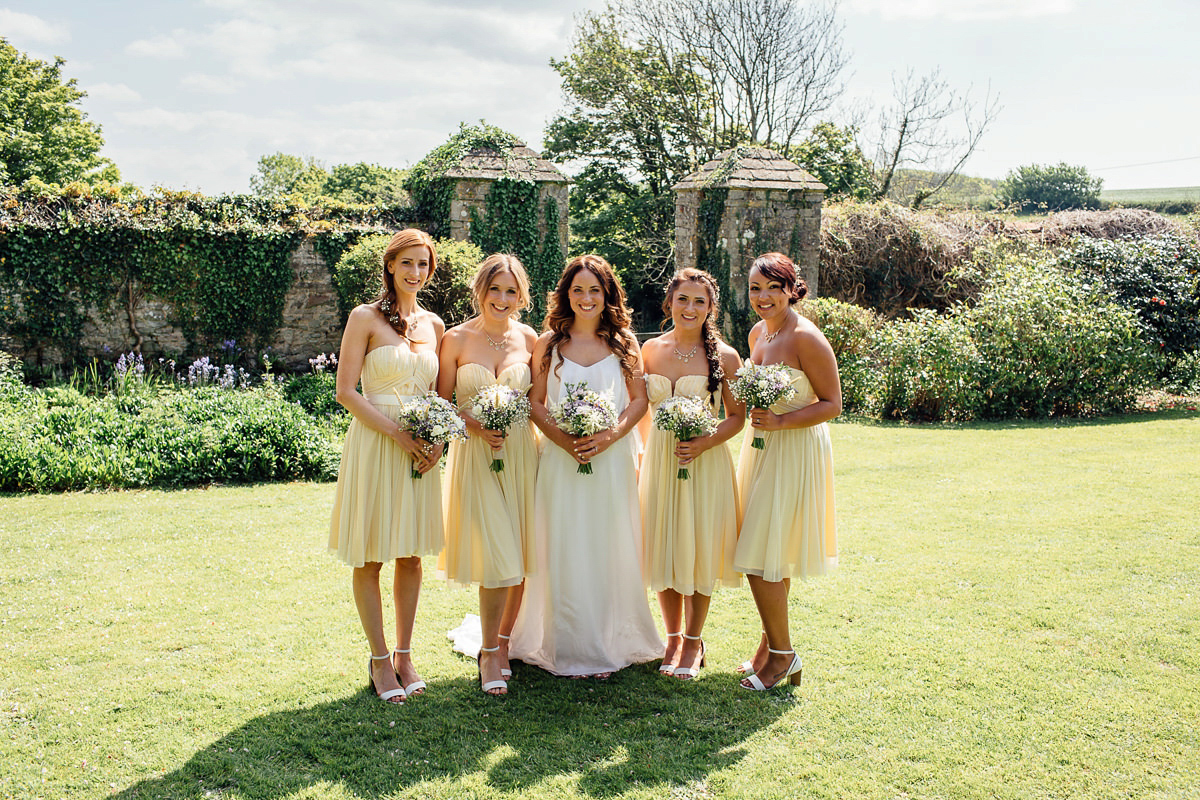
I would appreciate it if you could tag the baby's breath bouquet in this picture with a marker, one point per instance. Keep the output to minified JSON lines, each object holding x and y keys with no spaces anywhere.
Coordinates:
{"x":761,"y":386}
{"x":687,"y":418}
{"x":433,"y":419}
{"x":499,"y":407}
{"x":584,"y":412}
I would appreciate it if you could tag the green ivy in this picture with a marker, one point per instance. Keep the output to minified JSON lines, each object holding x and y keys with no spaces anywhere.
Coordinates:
{"x":713,"y":258}
{"x":221,"y":263}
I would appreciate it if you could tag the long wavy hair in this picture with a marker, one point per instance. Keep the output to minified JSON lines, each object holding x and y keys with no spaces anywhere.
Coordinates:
{"x":614,"y":320}
{"x":409,"y":237}
{"x":710,"y":336}
{"x":778,"y":267}
{"x":492,"y":266}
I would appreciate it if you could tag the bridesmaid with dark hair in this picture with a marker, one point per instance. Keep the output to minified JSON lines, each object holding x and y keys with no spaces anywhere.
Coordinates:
{"x":380,"y":512}
{"x":786,"y":489}
{"x":690,"y":526}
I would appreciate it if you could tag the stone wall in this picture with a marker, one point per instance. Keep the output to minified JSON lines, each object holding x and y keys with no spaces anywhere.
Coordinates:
{"x":311,"y":323}
{"x":472,"y":193}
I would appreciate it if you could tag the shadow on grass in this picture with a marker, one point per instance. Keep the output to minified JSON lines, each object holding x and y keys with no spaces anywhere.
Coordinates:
{"x":637,"y":728}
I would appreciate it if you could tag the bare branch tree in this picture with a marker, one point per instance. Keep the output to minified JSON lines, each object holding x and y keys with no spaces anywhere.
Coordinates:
{"x":744,"y":70}
{"x":916,"y":130}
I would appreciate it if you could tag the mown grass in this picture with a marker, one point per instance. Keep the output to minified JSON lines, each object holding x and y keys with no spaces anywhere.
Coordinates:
{"x":1016,"y":614}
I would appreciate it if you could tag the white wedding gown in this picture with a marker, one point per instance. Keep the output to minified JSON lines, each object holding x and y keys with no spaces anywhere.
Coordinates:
{"x":585,"y":609}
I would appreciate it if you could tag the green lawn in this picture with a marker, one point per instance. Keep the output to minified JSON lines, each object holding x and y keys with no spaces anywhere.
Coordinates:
{"x":1016,"y":615}
{"x":1172,"y":194}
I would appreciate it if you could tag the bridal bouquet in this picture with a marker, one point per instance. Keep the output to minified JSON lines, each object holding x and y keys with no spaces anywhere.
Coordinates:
{"x":687,"y":418}
{"x":433,"y":419}
{"x":584,"y":412}
{"x":498,"y":407}
{"x":761,"y":386}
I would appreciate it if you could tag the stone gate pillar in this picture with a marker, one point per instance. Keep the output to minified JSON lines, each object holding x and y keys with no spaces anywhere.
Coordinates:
{"x":745,"y":202}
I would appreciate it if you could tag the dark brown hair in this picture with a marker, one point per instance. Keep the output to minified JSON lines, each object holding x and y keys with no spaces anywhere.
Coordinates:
{"x":778,"y":267}
{"x":710,"y":338}
{"x":614,"y":320}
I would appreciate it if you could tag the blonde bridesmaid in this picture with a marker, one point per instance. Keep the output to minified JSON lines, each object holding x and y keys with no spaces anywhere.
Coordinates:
{"x":689,"y":526}
{"x":489,"y":514}
{"x":786,"y":489}
{"x":380,"y":513}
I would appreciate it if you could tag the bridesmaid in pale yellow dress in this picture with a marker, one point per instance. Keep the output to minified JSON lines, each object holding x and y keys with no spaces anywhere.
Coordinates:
{"x":786,"y":488}
{"x":489,"y":514}
{"x":689,"y":526}
{"x":380,"y":513}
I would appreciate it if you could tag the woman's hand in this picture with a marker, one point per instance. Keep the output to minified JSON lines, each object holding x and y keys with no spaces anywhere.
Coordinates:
{"x":689,"y":451}
{"x":765,"y":419}
{"x":424,"y":455}
{"x":494,"y":439}
{"x":585,"y":448}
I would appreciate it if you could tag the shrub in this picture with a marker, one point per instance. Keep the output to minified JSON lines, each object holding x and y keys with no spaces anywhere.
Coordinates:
{"x":1051,"y":346}
{"x":315,"y":393}
{"x":1157,"y":277}
{"x":850,"y":330}
{"x":357,"y":277}
{"x":65,"y":440}
{"x":928,"y":369}
{"x":1050,"y":187}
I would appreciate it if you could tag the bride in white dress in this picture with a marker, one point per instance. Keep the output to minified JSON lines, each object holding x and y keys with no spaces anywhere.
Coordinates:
{"x":585,"y":611}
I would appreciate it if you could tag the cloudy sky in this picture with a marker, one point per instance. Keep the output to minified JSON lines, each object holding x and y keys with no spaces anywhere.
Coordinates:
{"x":190,"y":93}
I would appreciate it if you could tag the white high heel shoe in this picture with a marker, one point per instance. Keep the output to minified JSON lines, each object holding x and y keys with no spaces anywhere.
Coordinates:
{"x":665,"y":668}
{"x":487,"y":687}
{"x":416,"y":685}
{"x":390,"y":693}
{"x":791,"y":675}
{"x":687,"y":673}
{"x":505,"y":672}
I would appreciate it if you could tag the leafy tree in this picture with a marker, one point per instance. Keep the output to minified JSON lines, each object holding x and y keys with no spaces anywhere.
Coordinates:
{"x":833,"y":156}
{"x":44,"y":137}
{"x":280,"y":175}
{"x":1051,"y":188}
{"x":368,"y":184}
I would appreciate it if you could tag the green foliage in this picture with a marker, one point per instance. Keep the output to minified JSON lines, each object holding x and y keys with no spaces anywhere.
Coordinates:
{"x":65,"y":440}
{"x":431,"y":190}
{"x":1157,"y":277}
{"x":44,"y":137}
{"x":928,"y":369}
{"x":358,"y":277}
{"x":832,"y":155}
{"x":851,"y":331}
{"x":1049,"y":188}
{"x":306,"y":180}
{"x":315,"y":392}
{"x":449,"y":293}
{"x":510,"y":221}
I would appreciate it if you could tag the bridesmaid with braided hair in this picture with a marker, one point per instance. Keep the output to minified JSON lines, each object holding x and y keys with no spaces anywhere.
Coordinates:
{"x":689,"y":526}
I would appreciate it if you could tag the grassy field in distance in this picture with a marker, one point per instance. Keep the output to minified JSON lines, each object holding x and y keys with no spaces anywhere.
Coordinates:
{"x":1164,"y":195}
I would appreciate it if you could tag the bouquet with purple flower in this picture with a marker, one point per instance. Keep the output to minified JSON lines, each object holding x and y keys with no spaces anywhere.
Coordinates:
{"x":761,"y":386}
{"x":584,"y":412}
{"x":499,"y":407}
{"x":687,"y":418}
{"x":432,"y":419}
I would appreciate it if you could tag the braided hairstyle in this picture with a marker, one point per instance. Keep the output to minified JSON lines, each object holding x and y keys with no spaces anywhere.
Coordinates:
{"x":711,"y":337}
{"x":409,"y":237}
{"x":614,"y":321}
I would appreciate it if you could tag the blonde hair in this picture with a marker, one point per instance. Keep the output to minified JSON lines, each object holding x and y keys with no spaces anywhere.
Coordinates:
{"x":492,"y":266}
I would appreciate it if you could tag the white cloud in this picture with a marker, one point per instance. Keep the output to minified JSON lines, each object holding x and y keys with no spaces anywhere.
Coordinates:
{"x":960,"y":10}
{"x":165,"y":46}
{"x":16,"y":25}
{"x":210,"y":84}
{"x":114,"y":92}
